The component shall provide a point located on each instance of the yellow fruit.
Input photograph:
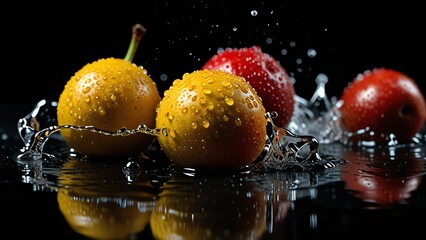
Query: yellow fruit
(108, 94)
(215, 120)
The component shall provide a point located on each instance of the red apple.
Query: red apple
(384, 101)
(265, 74)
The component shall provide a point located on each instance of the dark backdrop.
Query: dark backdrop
(44, 44)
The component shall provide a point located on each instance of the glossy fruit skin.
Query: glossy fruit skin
(386, 101)
(108, 94)
(215, 120)
(264, 74)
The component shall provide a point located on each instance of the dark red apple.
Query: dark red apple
(384, 101)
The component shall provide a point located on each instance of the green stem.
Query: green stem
(137, 33)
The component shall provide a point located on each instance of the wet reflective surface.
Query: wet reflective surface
(377, 191)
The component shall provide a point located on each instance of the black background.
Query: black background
(43, 45)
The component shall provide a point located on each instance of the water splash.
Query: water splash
(35, 137)
(285, 149)
(317, 116)
(282, 149)
(314, 121)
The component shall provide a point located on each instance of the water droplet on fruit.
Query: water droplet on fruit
(86, 90)
(226, 83)
(207, 91)
(229, 101)
(225, 118)
(101, 111)
(238, 122)
(170, 116)
(210, 106)
(206, 123)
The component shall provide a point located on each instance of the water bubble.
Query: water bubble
(4, 136)
(312, 53)
(163, 77)
(254, 13)
(269, 40)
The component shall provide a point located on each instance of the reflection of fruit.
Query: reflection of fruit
(213, 210)
(98, 218)
(111, 210)
(215, 119)
(264, 73)
(386, 101)
(381, 180)
(109, 94)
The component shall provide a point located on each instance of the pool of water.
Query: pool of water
(369, 191)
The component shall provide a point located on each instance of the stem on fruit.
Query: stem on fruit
(137, 33)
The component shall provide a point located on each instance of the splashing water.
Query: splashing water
(284, 148)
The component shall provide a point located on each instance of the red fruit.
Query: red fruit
(266, 75)
(387, 102)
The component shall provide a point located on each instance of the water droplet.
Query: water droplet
(184, 110)
(207, 91)
(229, 101)
(225, 118)
(226, 83)
(163, 77)
(172, 133)
(86, 90)
(132, 165)
(253, 13)
(210, 106)
(312, 53)
(194, 125)
(244, 89)
(170, 116)
(206, 124)
(101, 111)
(238, 122)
